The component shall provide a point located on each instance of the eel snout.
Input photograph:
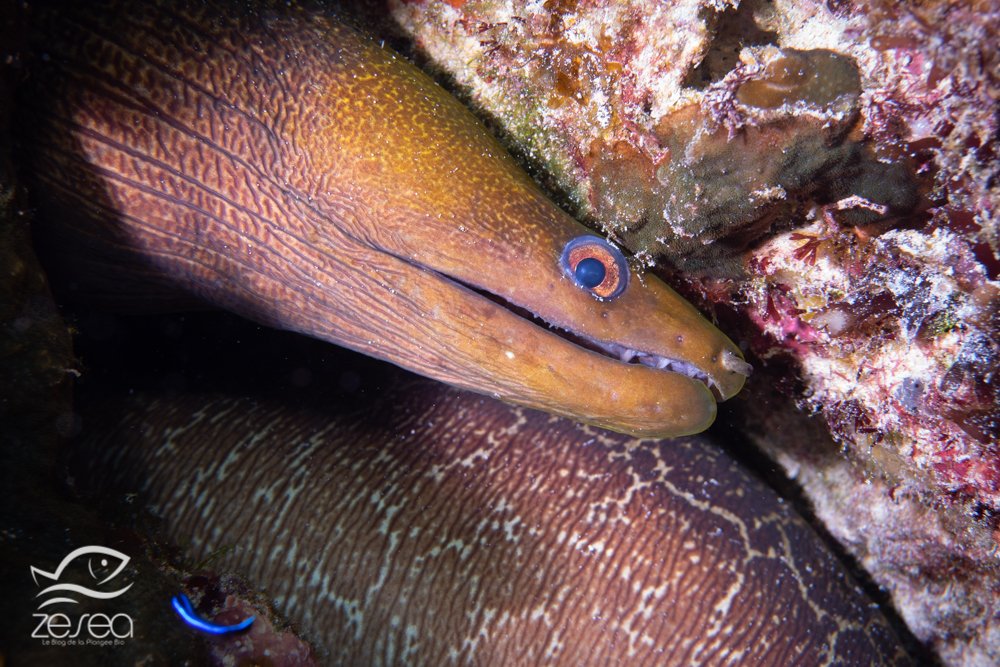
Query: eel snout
(280, 165)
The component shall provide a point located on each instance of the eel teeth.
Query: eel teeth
(675, 366)
(627, 354)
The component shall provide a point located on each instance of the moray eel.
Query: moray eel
(276, 163)
(436, 527)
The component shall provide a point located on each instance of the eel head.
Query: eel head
(289, 169)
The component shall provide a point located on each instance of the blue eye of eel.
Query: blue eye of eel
(595, 265)
(590, 272)
(187, 613)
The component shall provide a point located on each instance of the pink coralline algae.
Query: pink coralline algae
(268, 641)
(822, 177)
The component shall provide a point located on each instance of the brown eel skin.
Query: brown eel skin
(267, 159)
(435, 527)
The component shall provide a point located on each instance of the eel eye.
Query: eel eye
(596, 266)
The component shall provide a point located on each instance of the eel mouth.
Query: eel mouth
(627, 355)
(617, 351)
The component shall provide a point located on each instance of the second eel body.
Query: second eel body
(276, 163)
(437, 527)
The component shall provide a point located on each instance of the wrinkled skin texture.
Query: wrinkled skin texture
(277, 164)
(434, 526)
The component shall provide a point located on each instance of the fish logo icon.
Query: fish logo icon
(102, 564)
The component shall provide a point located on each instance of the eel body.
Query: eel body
(439, 527)
(274, 162)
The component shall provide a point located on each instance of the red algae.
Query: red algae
(227, 600)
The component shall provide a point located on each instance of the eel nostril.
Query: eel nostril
(732, 362)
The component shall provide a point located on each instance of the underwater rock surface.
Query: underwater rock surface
(822, 176)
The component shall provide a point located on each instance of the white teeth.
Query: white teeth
(654, 361)
(627, 354)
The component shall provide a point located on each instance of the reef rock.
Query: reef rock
(822, 177)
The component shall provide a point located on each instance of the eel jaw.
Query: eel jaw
(627, 355)
(729, 361)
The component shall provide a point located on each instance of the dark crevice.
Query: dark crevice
(734, 29)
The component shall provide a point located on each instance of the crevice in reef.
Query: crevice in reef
(734, 29)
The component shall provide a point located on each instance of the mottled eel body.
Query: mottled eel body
(439, 527)
(276, 163)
